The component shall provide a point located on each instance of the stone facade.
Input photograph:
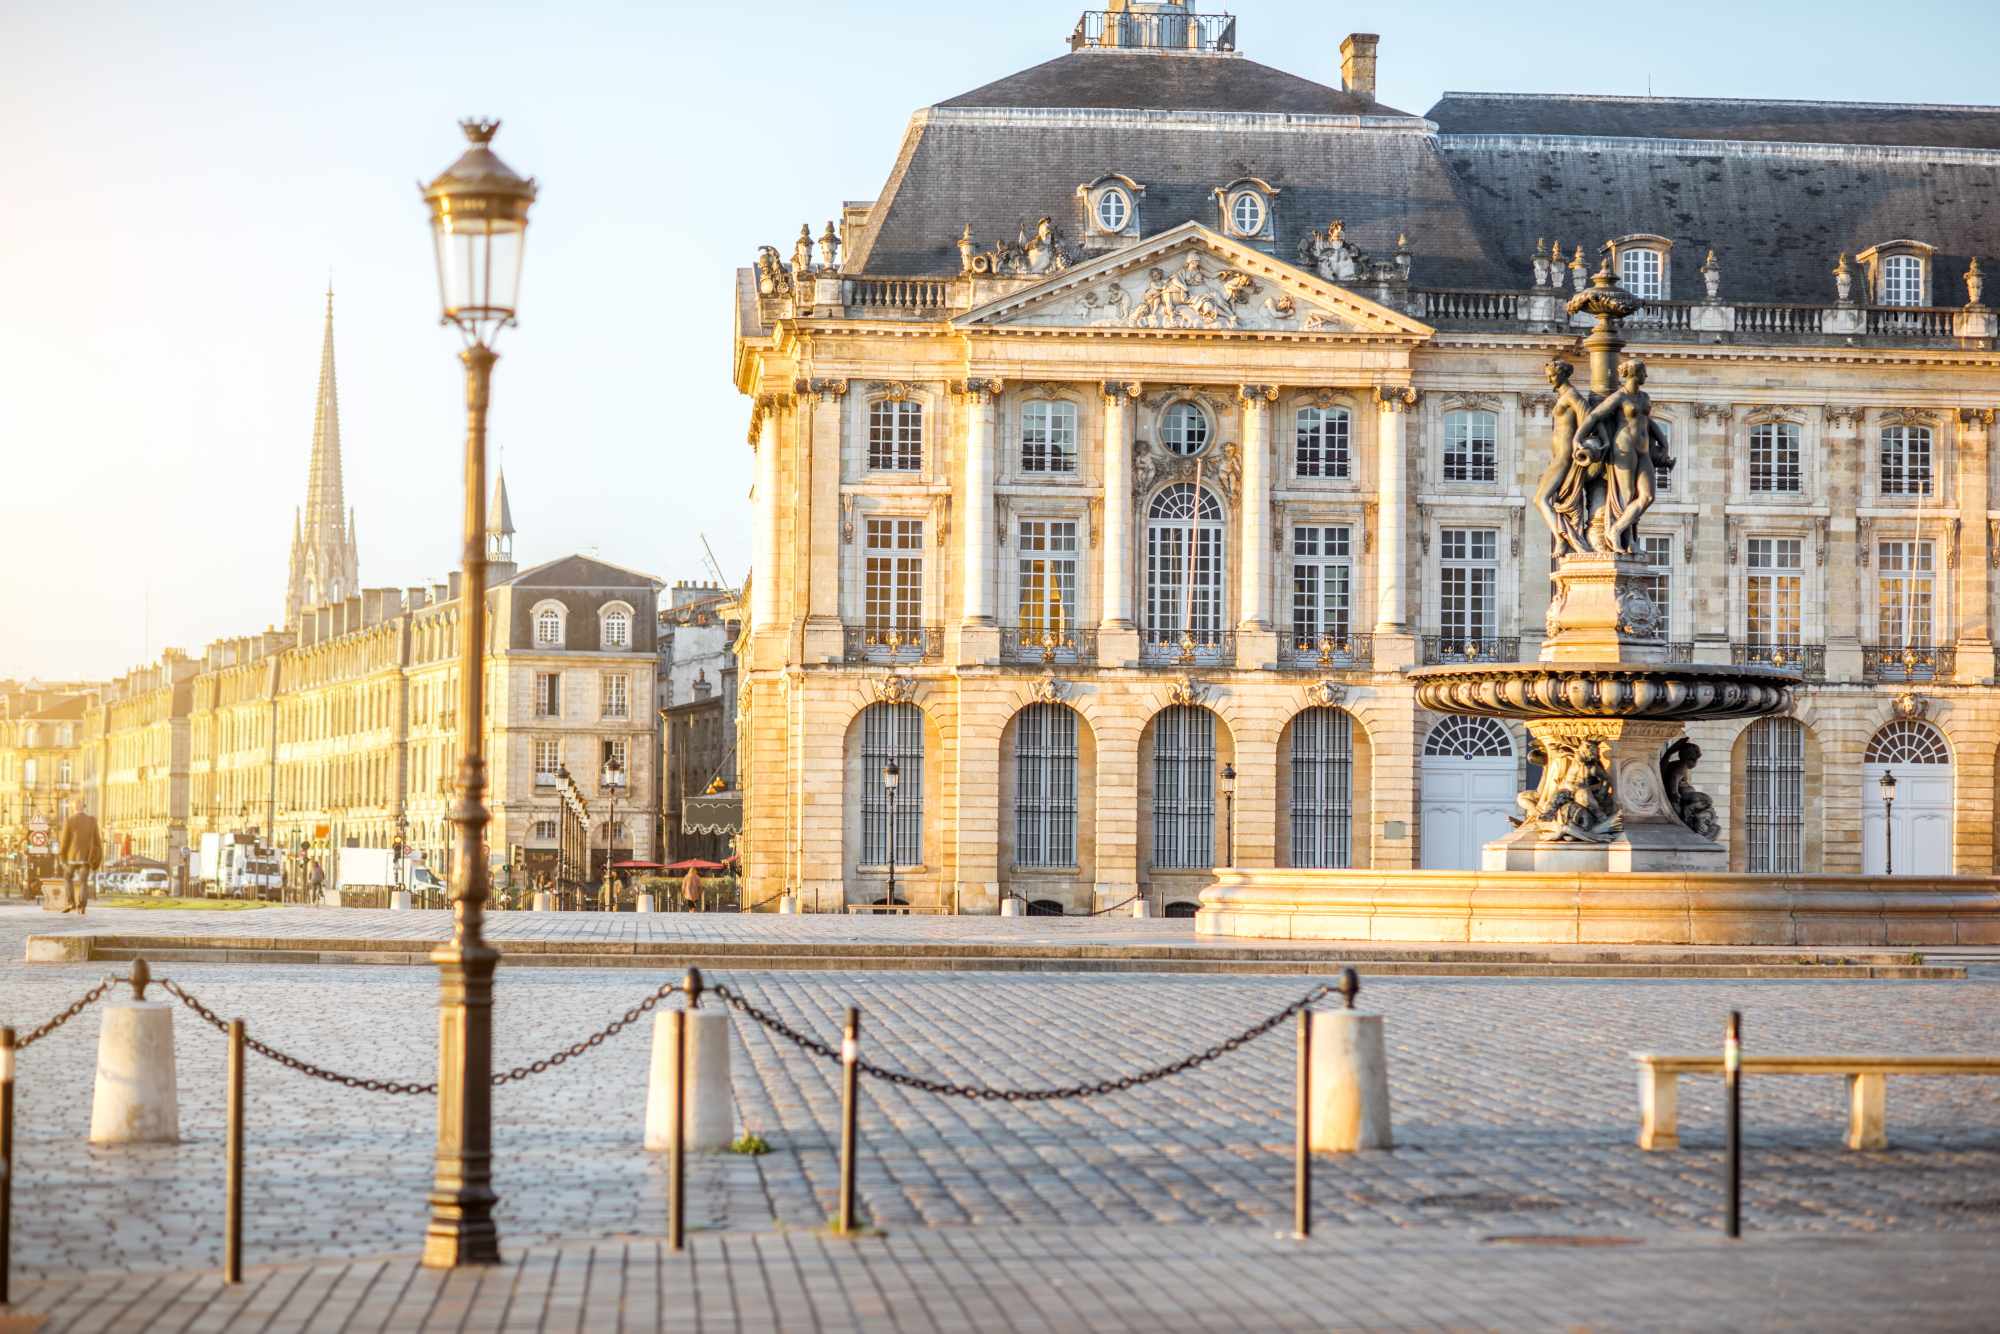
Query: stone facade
(945, 427)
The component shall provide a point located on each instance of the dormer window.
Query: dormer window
(1899, 272)
(1114, 209)
(1110, 208)
(1246, 209)
(1641, 264)
(548, 621)
(617, 627)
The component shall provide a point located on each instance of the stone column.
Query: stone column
(820, 511)
(1116, 736)
(1255, 643)
(1118, 640)
(979, 635)
(764, 610)
(1844, 557)
(1394, 644)
(1709, 488)
(1973, 550)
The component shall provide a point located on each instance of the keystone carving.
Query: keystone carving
(1326, 694)
(1187, 692)
(1049, 689)
(894, 689)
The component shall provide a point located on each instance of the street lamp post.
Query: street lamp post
(479, 219)
(614, 778)
(1229, 805)
(1888, 785)
(892, 778)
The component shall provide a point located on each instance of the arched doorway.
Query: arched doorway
(1920, 824)
(1468, 791)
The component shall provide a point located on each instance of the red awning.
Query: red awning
(637, 866)
(695, 862)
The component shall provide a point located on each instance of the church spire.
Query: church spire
(325, 564)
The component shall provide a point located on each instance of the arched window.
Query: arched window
(1908, 741)
(1171, 604)
(1918, 824)
(63, 736)
(1045, 786)
(1184, 429)
(1184, 788)
(1469, 738)
(1471, 451)
(1320, 443)
(1774, 812)
(1902, 282)
(1048, 437)
(1322, 788)
(892, 731)
(1639, 272)
(617, 629)
(548, 630)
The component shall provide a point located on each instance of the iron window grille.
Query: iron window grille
(1045, 757)
(892, 732)
(895, 435)
(1466, 738)
(1774, 816)
(1184, 788)
(1322, 788)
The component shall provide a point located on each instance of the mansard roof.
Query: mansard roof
(1719, 118)
(582, 571)
(1154, 80)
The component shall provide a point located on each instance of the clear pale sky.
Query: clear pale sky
(181, 179)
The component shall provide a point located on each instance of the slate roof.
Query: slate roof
(1718, 118)
(583, 572)
(1157, 81)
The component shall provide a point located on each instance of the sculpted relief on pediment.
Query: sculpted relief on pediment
(1196, 293)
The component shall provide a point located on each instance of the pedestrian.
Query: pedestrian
(80, 852)
(315, 882)
(691, 888)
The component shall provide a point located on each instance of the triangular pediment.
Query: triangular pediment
(1192, 280)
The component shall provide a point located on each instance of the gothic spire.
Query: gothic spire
(500, 521)
(325, 564)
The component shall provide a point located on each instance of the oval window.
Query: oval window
(1184, 430)
(1247, 212)
(1113, 208)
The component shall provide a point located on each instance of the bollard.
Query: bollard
(6, 1161)
(232, 1163)
(1350, 1078)
(850, 1052)
(643, 903)
(1010, 907)
(1732, 1152)
(399, 900)
(676, 1128)
(1302, 1179)
(1141, 908)
(136, 1100)
(708, 1111)
(788, 903)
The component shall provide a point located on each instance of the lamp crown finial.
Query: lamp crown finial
(479, 131)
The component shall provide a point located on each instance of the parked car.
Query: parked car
(109, 882)
(155, 882)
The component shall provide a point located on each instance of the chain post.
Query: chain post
(232, 1222)
(677, 1138)
(1302, 1168)
(6, 1162)
(1732, 1169)
(850, 1059)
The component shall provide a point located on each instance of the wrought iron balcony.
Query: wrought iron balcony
(1326, 653)
(1808, 660)
(1050, 646)
(1680, 651)
(1180, 32)
(915, 644)
(1187, 648)
(1441, 649)
(1890, 662)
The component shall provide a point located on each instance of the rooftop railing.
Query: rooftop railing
(900, 296)
(1912, 321)
(1176, 32)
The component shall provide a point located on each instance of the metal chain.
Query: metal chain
(293, 1062)
(579, 1048)
(72, 1012)
(818, 1048)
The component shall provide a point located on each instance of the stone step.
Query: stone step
(1387, 960)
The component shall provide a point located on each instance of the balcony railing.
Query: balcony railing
(1680, 651)
(899, 295)
(1180, 32)
(1187, 648)
(1441, 649)
(1326, 653)
(1889, 662)
(1662, 315)
(1778, 319)
(1912, 321)
(1050, 646)
(1808, 660)
(1456, 305)
(920, 644)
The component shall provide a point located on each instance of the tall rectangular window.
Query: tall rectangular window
(1906, 460)
(1774, 457)
(892, 731)
(1903, 594)
(548, 759)
(895, 435)
(1641, 274)
(548, 694)
(1048, 437)
(1320, 443)
(1048, 575)
(616, 702)
(1322, 584)
(1468, 587)
(1183, 788)
(895, 574)
(1774, 762)
(1658, 555)
(1322, 813)
(1045, 786)
(609, 750)
(1771, 615)
(1471, 451)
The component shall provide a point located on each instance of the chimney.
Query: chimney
(1357, 64)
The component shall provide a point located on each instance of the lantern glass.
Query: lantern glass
(1228, 778)
(891, 776)
(1888, 783)
(479, 222)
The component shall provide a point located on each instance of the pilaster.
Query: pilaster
(1709, 602)
(1118, 639)
(1974, 575)
(1843, 558)
(982, 713)
(1116, 736)
(1394, 644)
(821, 516)
(766, 598)
(1254, 564)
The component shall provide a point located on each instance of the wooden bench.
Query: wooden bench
(904, 908)
(1867, 1087)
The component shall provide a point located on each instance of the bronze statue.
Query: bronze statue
(1694, 808)
(1618, 474)
(1567, 524)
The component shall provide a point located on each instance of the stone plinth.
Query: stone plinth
(1600, 611)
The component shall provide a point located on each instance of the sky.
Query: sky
(183, 181)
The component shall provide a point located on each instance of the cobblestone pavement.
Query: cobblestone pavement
(1102, 1280)
(1514, 1101)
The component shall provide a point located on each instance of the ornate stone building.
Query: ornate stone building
(1163, 407)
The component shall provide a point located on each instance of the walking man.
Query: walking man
(81, 852)
(315, 882)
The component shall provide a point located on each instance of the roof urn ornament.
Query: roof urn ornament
(829, 248)
(967, 248)
(1711, 274)
(1975, 286)
(802, 251)
(1843, 280)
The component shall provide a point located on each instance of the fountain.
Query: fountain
(1616, 844)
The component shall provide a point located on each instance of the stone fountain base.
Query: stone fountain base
(1600, 908)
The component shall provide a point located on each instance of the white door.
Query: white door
(1919, 830)
(1469, 786)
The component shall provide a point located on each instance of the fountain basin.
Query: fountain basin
(1526, 691)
